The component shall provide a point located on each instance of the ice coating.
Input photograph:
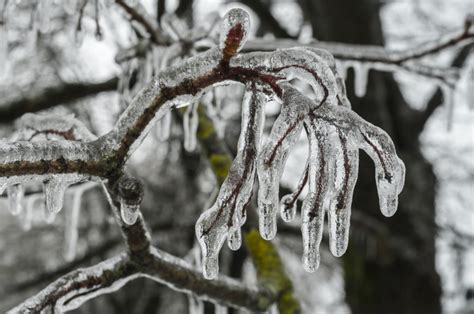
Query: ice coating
(234, 31)
(129, 212)
(190, 126)
(272, 159)
(227, 214)
(15, 198)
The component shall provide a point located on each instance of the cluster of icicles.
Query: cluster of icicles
(335, 134)
(38, 128)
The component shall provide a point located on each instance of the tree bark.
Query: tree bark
(388, 280)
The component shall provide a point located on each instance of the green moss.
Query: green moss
(206, 127)
(271, 273)
(220, 164)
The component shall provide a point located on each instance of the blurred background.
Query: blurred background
(71, 57)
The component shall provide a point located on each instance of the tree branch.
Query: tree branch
(138, 13)
(52, 96)
(73, 289)
(437, 99)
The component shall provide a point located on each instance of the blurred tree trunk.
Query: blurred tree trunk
(392, 280)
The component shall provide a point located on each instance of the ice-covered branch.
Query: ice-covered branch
(75, 288)
(380, 58)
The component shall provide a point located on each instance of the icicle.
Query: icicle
(234, 240)
(190, 126)
(71, 226)
(448, 99)
(220, 309)
(344, 172)
(227, 214)
(3, 49)
(15, 198)
(43, 15)
(54, 189)
(27, 214)
(272, 159)
(361, 73)
(314, 203)
(196, 306)
(164, 127)
(148, 67)
(470, 86)
(79, 36)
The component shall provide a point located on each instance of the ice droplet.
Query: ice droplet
(129, 212)
(234, 240)
(15, 198)
(287, 208)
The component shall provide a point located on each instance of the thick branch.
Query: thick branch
(53, 96)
